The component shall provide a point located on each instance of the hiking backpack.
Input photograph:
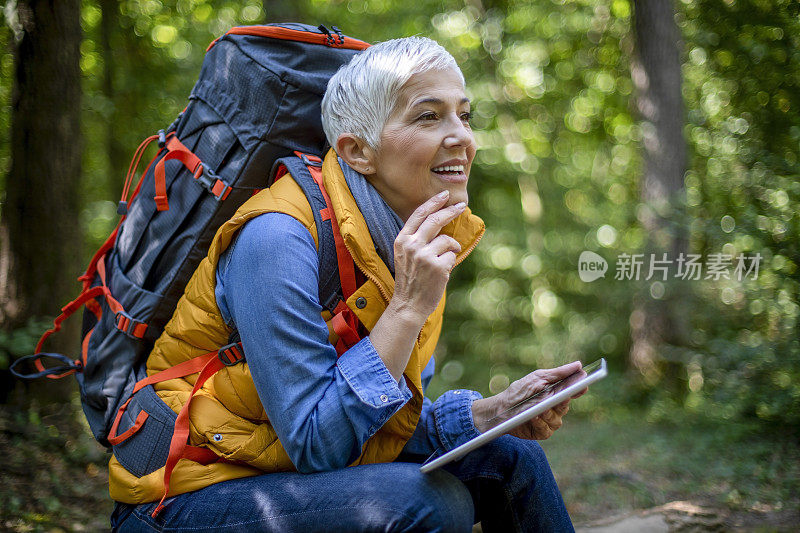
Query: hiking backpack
(253, 115)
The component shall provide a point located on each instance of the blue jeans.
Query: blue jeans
(506, 485)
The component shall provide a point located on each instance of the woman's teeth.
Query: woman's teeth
(449, 168)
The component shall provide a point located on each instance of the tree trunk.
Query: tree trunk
(656, 72)
(39, 226)
(116, 152)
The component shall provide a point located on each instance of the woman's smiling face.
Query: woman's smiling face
(426, 145)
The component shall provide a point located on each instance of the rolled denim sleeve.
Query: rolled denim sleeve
(323, 408)
(444, 424)
(375, 394)
(452, 412)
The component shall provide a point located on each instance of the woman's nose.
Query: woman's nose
(458, 133)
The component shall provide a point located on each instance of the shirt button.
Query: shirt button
(217, 437)
(384, 398)
(361, 302)
(456, 392)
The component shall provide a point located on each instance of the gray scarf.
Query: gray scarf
(384, 225)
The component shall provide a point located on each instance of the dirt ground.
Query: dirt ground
(685, 516)
(53, 478)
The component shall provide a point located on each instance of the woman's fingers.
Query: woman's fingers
(435, 222)
(552, 419)
(419, 215)
(448, 261)
(423, 259)
(538, 380)
(562, 408)
(542, 430)
(444, 243)
(551, 375)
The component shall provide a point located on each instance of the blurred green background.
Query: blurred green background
(560, 169)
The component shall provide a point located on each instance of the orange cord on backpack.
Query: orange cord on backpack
(122, 208)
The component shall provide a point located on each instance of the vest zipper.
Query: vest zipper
(369, 276)
(469, 250)
(378, 284)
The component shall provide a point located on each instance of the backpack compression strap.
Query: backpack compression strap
(124, 322)
(202, 173)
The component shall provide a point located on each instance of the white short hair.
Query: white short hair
(363, 93)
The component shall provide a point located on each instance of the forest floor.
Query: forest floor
(618, 475)
(624, 474)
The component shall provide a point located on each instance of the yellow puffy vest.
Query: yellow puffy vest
(228, 404)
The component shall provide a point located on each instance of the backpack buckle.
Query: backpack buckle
(221, 190)
(209, 180)
(130, 326)
(231, 354)
(205, 176)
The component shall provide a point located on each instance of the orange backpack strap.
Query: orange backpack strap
(209, 363)
(202, 173)
(89, 294)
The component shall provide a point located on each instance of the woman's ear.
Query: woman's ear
(356, 153)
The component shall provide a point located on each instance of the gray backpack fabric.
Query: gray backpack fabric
(255, 106)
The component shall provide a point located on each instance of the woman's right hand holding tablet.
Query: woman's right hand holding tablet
(489, 412)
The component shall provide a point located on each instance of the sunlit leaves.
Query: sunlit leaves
(743, 191)
(557, 170)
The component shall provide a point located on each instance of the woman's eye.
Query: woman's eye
(428, 116)
(466, 117)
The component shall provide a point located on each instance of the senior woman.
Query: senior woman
(316, 442)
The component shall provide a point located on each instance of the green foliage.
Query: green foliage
(742, 96)
(6, 86)
(557, 172)
(22, 341)
(557, 162)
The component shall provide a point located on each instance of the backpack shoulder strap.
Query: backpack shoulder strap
(330, 290)
(337, 270)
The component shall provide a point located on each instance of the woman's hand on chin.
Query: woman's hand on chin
(423, 258)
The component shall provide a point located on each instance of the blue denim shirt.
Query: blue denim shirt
(322, 407)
